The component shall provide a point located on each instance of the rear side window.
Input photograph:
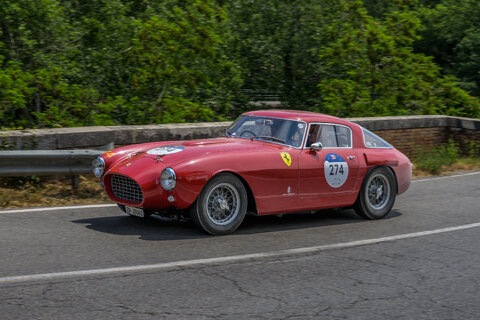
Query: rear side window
(371, 140)
(330, 135)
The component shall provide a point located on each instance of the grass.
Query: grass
(462, 164)
(49, 191)
(447, 157)
(58, 191)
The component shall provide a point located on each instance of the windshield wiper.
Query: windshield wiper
(269, 138)
(228, 133)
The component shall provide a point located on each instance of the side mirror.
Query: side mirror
(316, 146)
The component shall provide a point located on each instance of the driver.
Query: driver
(312, 134)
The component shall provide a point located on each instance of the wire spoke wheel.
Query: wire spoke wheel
(378, 191)
(377, 195)
(223, 204)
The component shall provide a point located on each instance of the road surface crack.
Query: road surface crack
(237, 286)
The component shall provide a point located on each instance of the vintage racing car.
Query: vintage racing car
(269, 162)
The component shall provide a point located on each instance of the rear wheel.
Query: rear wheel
(377, 195)
(221, 206)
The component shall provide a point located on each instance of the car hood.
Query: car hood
(171, 153)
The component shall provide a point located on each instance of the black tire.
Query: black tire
(221, 206)
(377, 194)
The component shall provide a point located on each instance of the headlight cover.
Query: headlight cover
(168, 179)
(98, 166)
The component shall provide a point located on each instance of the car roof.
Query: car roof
(298, 115)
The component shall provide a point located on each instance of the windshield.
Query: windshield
(282, 131)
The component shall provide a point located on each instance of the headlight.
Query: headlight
(98, 166)
(168, 179)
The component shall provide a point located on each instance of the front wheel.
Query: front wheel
(221, 206)
(377, 195)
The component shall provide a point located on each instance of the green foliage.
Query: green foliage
(371, 69)
(473, 149)
(181, 65)
(15, 89)
(277, 42)
(435, 159)
(80, 63)
(452, 35)
(109, 62)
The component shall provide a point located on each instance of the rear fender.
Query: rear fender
(378, 159)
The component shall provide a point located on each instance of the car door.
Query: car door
(327, 178)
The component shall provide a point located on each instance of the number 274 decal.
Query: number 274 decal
(336, 170)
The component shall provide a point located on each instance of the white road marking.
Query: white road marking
(237, 258)
(114, 205)
(91, 206)
(446, 177)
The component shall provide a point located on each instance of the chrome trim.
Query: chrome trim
(316, 146)
(331, 124)
(269, 141)
(172, 175)
(100, 165)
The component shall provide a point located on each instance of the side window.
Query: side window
(327, 136)
(371, 140)
(330, 135)
(344, 137)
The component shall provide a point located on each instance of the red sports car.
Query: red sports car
(269, 162)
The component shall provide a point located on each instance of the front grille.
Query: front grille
(126, 189)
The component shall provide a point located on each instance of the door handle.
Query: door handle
(351, 157)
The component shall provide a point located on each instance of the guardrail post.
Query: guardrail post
(75, 182)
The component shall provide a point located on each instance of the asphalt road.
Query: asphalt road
(327, 274)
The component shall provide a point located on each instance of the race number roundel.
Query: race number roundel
(336, 170)
(161, 151)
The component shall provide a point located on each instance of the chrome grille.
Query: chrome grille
(126, 189)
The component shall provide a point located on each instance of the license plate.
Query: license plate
(135, 211)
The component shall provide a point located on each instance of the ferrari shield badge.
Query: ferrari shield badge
(109, 154)
(286, 158)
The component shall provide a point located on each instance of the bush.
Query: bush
(435, 159)
(473, 149)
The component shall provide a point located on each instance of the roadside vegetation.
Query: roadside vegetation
(34, 191)
(446, 158)
(112, 62)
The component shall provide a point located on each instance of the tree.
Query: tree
(182, 70)
(39, 72)
(277, 42)
(451, 35)
(371, 69)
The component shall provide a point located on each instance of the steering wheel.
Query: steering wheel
(247, 134)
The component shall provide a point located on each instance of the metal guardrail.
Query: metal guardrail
(46, 162)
